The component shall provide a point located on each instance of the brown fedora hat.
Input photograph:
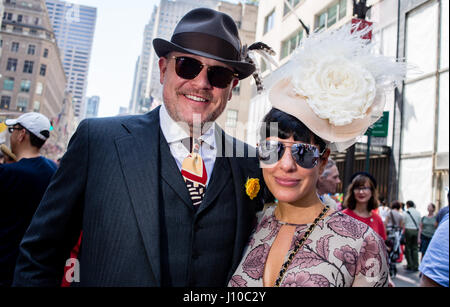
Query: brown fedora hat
(207, 33)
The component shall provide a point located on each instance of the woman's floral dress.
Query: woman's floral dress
(340, 252)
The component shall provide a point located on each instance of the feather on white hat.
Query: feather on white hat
(335, 84)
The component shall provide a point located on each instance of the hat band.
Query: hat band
(208, 44)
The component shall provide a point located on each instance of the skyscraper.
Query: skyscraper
(74, 27)
(140, 103)
(92, 106)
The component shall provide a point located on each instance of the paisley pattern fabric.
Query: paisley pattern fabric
(340, 252)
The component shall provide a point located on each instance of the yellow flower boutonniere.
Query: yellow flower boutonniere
(252, 187)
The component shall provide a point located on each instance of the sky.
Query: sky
(116, 47)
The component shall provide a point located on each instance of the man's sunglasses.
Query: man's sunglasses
(305, 155)
(11, 129)
(189, 68)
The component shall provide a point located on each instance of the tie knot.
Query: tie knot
(192, 144)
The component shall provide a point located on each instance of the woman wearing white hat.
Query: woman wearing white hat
(328, 95)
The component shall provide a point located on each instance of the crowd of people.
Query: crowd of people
(169, 199)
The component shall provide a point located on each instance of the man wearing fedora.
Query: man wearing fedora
(160, 197)
(23, 184)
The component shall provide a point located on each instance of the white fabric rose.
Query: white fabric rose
(336, 88)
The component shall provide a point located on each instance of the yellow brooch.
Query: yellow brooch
(252, 187)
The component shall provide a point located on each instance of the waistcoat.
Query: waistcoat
(196, 244)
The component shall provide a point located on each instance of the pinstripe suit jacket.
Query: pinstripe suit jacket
(107, 185)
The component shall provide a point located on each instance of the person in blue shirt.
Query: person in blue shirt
(22, 186)
(435, 263)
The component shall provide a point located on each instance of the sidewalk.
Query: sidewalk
(406, 278)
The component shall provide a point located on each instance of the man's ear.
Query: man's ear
(22, 135)
(324, 160)
(163, 63)
(233, 85)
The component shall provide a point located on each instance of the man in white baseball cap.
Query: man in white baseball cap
(23, 185)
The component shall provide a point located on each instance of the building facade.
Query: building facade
(1, 20)
(411, 161)
(32, 75)
(421, 137)
(74, 27)
(234, 118)
(140, 102)
(92, 106)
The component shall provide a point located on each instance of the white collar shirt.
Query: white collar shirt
(174, 134)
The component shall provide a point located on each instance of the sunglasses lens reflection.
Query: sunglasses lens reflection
(189, 68)
(270, 152)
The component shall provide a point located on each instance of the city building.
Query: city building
(410, 161)
(92, 106)
(1, 20)
(32, 74)
(421, 135)
(74, 27)
(234, 118)
(139, 102)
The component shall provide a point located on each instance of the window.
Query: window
(289, 45)
(36, 106)
(15, 47)
(19, 18)
(22, 104)
(343, 9)
(31, 49)
(39, 88)
(28, 67)
(293, 3)
(8, 84)
(12, 65)
(331, 15)
(25, 86)
(43, 70)
(237, 89)
(45, 53)
(5, 102)
(269, 22)
(232, 117)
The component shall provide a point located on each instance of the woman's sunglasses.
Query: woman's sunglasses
(305, 155)
(189, 68)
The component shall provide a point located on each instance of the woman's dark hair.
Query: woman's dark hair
(360, 181)
(288, 126)
(434, 206)
(396, 205)
(410, 204)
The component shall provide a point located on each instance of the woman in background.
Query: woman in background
(360, 201)
(427, 227)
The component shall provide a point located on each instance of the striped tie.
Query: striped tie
(194, 173)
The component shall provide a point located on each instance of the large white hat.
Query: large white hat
(335, 84)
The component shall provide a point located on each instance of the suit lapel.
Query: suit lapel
(171, 174)
(139, 158)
